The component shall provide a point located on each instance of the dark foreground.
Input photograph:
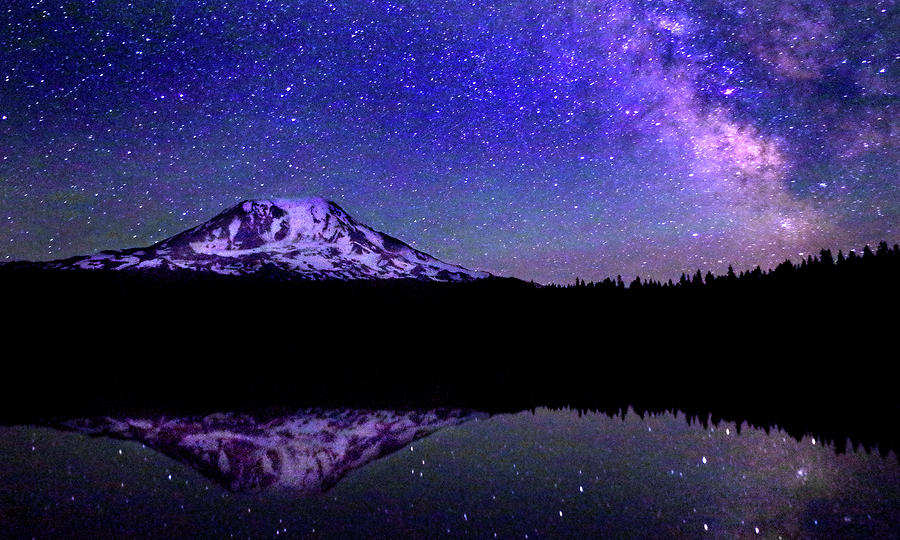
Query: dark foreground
(812, 357)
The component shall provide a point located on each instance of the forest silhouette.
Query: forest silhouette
(808, 346)
(810, 273)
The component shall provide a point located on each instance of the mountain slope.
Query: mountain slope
(308, 451)
(309, 238)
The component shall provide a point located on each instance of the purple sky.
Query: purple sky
(544, 140)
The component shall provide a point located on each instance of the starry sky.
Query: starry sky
(540, 139)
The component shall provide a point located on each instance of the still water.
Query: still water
(547, 474)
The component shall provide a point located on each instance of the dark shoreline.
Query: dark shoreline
(811, 360)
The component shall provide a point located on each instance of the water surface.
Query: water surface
(548, 474)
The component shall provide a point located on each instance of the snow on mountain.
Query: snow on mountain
(308, 451)
(310, 238)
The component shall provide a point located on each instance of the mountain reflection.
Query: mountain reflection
(544, 474)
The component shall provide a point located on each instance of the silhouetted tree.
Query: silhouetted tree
(698, 279)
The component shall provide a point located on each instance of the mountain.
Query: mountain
(307, 452)
(309, 238)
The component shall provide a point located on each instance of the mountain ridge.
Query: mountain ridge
(307, 238)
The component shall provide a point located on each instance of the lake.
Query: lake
(541, 474)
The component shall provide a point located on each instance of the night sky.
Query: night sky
(540, 139)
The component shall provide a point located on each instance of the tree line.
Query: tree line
(811, 271)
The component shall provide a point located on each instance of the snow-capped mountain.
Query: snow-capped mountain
(308, 451)
(309, 238)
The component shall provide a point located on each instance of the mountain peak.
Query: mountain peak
(300, 202)
(318, 205)
(307, 238)
(253, 224)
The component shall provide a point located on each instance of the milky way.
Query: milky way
(545, 140)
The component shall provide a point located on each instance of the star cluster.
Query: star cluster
(538, 139)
